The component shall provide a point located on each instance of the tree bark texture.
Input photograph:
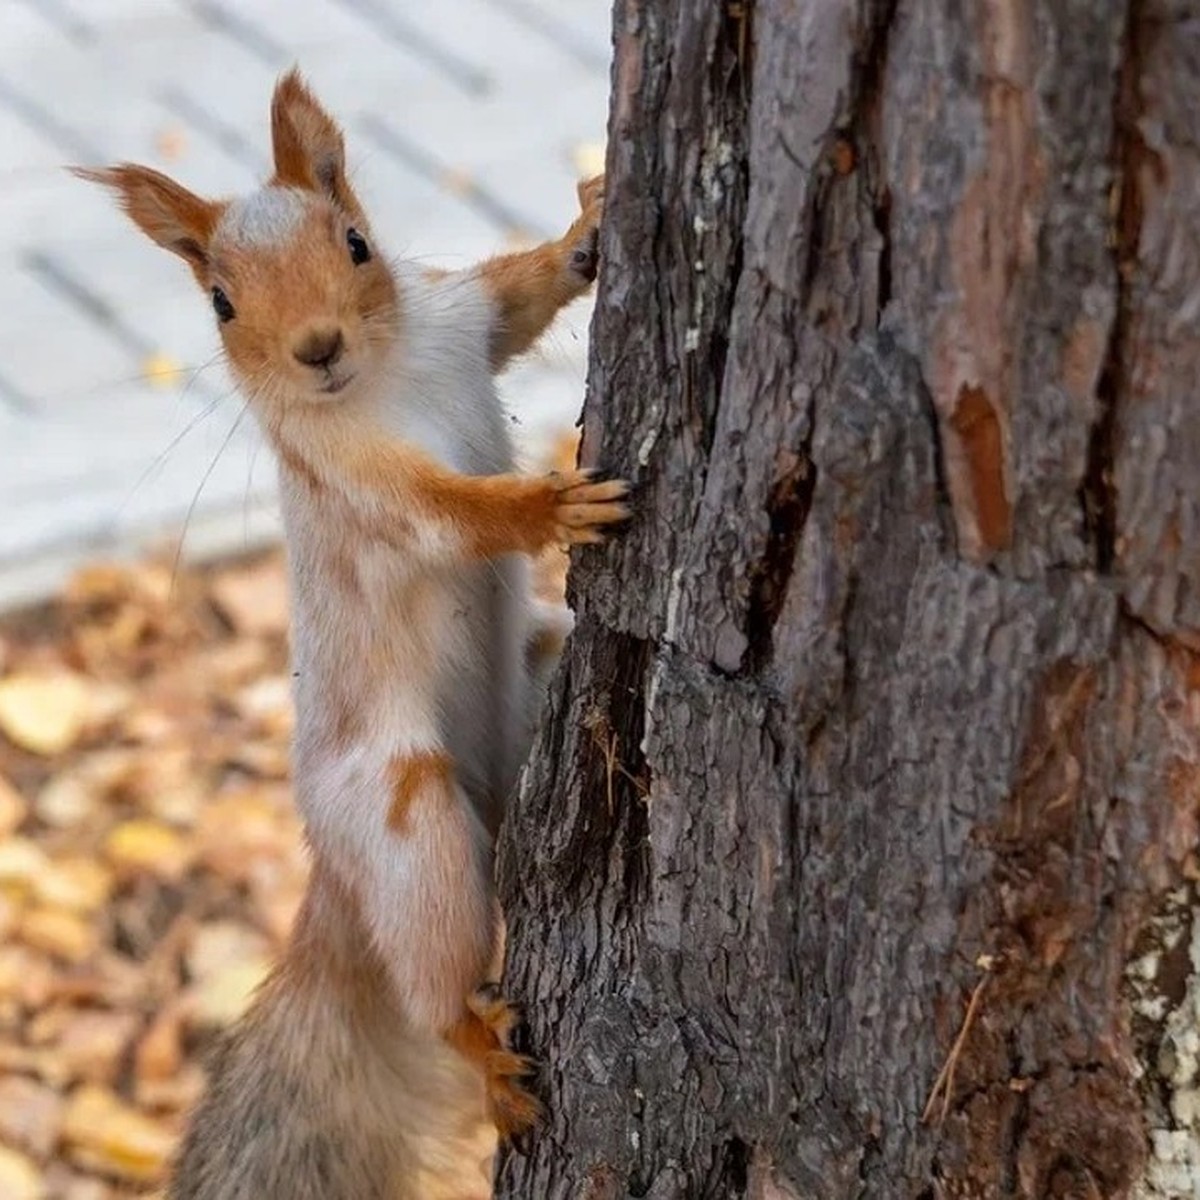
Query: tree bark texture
(856, 855)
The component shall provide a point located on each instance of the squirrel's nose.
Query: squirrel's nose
(319, 347)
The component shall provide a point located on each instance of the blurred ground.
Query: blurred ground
(150, 859)
(468, 122)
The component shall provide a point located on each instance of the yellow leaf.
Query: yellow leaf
(74, 883)
(268, 703)
(20, 861)
(161, 370)
(148, 847)
(225, 995)
(43, 714)
(217, 944)
(67, 800)
(588, 158)
(105, 1134)
(19, 1177)
(60, 933)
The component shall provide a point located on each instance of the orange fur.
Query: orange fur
(490, 515)
(482, 1037)
(529, 287)
(307, 144)
(296, 463)
(285, 281)
(430, 774)
(178, 220)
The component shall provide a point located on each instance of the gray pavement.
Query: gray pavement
(468, 122)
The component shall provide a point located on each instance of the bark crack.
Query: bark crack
(872, 64)
(1098, 492)
(787, 511)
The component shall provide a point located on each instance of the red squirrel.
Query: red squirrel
(368, 1061)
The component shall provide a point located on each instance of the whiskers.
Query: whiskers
(203, 414)
(264, 385)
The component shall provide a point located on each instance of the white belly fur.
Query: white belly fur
(440, 397)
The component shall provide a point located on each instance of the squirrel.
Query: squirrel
(376, 1050)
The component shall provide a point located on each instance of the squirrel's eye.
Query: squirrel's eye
(221, 306)
(360, 252)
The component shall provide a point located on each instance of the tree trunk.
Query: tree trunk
(856, 855)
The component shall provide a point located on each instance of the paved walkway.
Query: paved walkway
(468, 122)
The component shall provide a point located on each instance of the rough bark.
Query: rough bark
(873, 762)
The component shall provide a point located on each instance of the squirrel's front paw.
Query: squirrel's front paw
(584, 238)
(583, 506)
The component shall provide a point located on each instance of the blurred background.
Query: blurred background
(150, 858)
(467, 121)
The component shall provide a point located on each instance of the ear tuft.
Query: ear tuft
(166, 212)
(307, 143)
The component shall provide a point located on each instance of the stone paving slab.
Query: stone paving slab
(465, 121)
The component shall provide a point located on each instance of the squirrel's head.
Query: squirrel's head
(305, 304)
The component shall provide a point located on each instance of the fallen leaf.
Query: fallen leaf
(55, 931)
(217, 945)
(161, 370)
(13, 808)
(231, 664)
(98, 583)
(159, 1053)
(225, 994)
(276, 901)
(588, 159)
(19, 1177)
(25, 976)
(92, 1045)
(148, 847)
(268, 703)
(178, 1093)
(30, 1115)
(10, 911)
(107, 702)
(68, 799)
(43, 714)
(166, 783)
(64, 1184)
(75, 883)
(266, 759)
(253, 599)
(21, 859)
(240, 831)
(103, 1133)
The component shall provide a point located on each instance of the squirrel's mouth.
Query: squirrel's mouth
(336, 385)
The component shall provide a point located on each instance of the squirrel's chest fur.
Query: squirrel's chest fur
(388, 658)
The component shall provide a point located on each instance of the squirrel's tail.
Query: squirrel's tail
(323, 1093)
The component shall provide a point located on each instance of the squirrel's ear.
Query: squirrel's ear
(178, 220)
(307, 144)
